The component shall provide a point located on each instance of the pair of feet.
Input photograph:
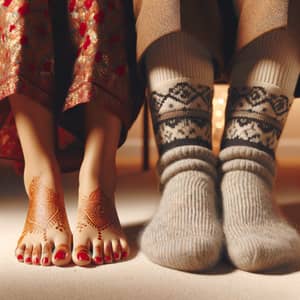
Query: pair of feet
(47, 238)
(189, 231)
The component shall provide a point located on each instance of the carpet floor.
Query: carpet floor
(137, 278)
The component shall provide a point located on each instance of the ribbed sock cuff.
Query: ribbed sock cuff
(243, 158)
(270, 62)
(186, 158)
(178, 57)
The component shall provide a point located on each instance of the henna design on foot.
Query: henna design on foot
(46, 226)
(98, 227)
(98, 211)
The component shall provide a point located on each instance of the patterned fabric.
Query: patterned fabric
(255, 118)
(102, 58)
(73, 49)
(182, 116)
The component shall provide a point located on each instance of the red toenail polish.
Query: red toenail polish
(37, 261)
(28, 260)
(107, 258)
(60, 255)
(20, 257)
(98, 260)
(83, 256)
(45, 260)
(124, 254)
(116, 255)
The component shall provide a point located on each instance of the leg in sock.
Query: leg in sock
(185, 232)
(98, 237)
(262, 87)
(46, 236)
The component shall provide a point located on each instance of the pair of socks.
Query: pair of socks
(189, 229)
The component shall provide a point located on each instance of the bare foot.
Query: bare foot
(98, 237)
(46, 236)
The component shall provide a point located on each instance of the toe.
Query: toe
(81, 256)
(28, 254)
(46, 254)
(116, 250)
(61, 255)
(20, 253)
(98, 253)
(36, 254)
(125, 251)
(107, 252)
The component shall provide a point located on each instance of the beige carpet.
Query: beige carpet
(137, 278)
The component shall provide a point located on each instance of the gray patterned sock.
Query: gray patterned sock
(185, 232)
(257, 237)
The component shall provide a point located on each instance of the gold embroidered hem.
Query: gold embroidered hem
(90, 90)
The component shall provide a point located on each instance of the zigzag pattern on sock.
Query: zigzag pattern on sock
(255, 118)
(181, 116)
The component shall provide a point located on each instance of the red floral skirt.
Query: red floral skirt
(63, 54)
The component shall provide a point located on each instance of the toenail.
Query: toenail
(45, 260)
(20, 257)
(124, 254)
(60, 255)
(98, 260)
(116, 256)
(107, 258)
(28, 260)
(83, 256)
(37, 261)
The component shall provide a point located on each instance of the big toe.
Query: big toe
(61, 255)
(81, 255)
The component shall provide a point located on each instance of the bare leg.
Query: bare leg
(98, 228)
(46, 236)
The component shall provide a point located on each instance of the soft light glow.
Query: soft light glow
(219, 125)
(219, 113)
(221, 101)
(218, 119)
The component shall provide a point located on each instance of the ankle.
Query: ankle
(92, 177)
(47, 170)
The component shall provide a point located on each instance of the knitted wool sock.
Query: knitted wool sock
(185, 233)
(263, 81)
